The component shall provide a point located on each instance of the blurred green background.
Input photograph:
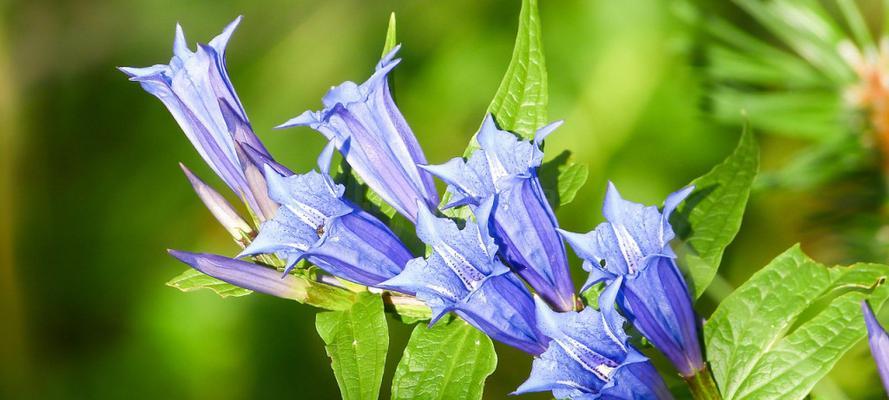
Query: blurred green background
(91, 196)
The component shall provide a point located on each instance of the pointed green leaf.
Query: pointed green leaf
(520, 103)
(451, 360)
(391, 41)
(711, 216)
(783, 330)
(356, 341)
(191, 279)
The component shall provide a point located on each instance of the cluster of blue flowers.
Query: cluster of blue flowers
(484, 271)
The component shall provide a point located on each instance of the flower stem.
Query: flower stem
(702, 385)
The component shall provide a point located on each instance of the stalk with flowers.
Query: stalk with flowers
(495, 264)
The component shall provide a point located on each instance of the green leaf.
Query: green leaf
(562, 179)
(711, 216)
(786, 327)
(191, 279)
(520, 103)
(451, 360)
(356, 341)
(390, 42)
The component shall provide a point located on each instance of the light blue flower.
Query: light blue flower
(196, 89)
(314, 222)
(463, 274)
(632, 252)
(505, 169)
(364, 123)
(589, 357)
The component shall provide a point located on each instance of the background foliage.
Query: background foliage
(90, 193)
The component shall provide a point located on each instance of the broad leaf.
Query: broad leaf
(520, 102)
(778, 334)
(711, 216)
(450, 360)
(192, 279)
(356, 341)
(519, 105)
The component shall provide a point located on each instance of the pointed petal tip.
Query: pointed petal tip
(183, 256)
(546, 130)
(869, 318)
(325, 158)
(307, 118)
(187, 171)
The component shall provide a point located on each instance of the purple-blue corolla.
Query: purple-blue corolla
(196, 89)
(463, 274)
(504, 169)
(589, 357)
(368, 129)
(632, 251)
(315, 223)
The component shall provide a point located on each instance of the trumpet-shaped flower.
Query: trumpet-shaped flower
(196, 89)
(314, 222)
(589, 357)
(505, 168)
(464, 275)
(632, 251)
(368, 129)
(879, 343)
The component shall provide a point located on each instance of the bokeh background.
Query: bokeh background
(91, 194)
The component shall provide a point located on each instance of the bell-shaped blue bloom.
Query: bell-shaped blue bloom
(315, 223)
(589, 357)
(196, 89)
(368, 129)
(879, 343)
(463, 274)
(632, 251)
(505, 168)
(242, 274)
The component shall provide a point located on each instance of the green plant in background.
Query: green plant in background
(817, 74)
(776, 336)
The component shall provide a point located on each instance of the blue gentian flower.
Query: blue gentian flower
(196, 89)
(315, 223)
(879, 343)
(242, 274)
(589, 357)
(632, 251)
(368, 129)
(505, 168)
(463, 274)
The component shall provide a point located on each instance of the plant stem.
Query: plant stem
(702, 385)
